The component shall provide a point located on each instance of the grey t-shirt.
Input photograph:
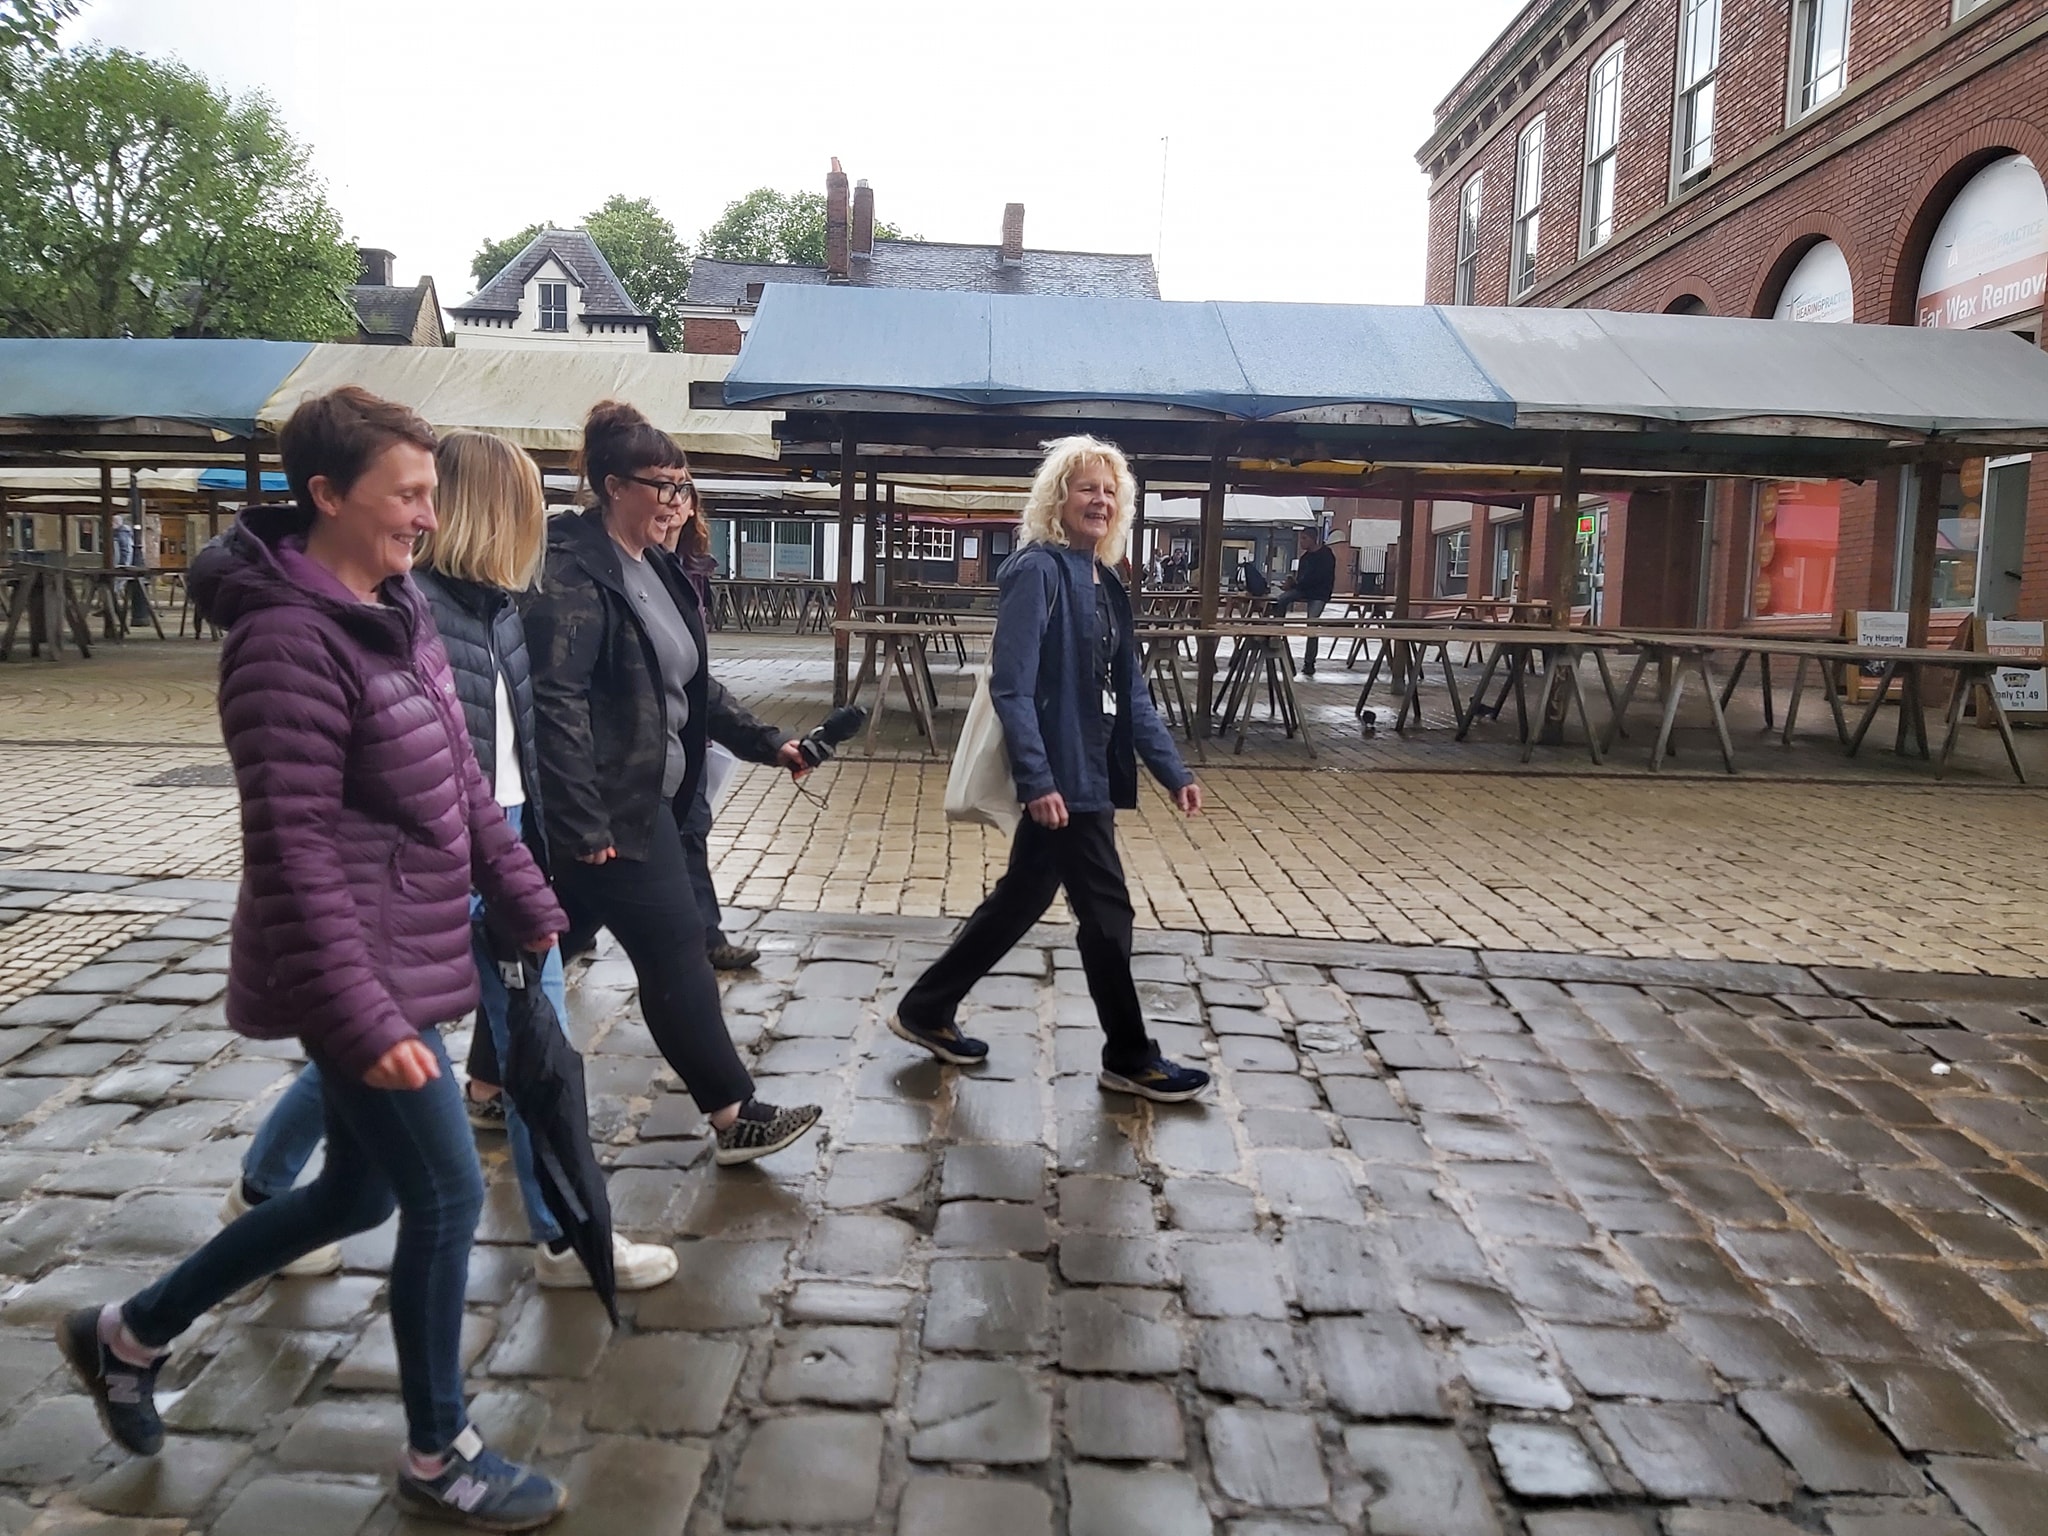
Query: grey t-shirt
(675, 650)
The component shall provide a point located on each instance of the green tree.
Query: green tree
(135, 199)
(31, 25)
(649, 257)
(771, 226)
(641, 245)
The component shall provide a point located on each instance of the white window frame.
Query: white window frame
(1699, 71)
(1961, 8)
(1471, 204)
(1526, 247)
(547, 309)
(1600, 191)
(1454, 553)
(1809, 87)
(925, 541)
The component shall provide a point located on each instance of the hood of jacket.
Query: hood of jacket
(262, 562)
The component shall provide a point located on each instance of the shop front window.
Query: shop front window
(1797, 535)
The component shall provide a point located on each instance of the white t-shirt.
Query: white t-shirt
(509, 782)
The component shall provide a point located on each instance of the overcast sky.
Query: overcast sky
(1293, 124)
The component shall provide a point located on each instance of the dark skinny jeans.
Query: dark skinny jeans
(651, 909)
(1082, 857)
(385, 1148)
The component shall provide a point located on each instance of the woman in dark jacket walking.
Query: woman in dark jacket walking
(365, 821)
(489, 534)
(625, 706)
(1076, 716)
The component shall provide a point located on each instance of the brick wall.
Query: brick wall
(721, 337)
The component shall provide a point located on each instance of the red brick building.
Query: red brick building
(1870, 161)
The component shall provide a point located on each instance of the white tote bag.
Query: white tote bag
(980, 787)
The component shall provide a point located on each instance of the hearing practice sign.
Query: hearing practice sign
(1989, 257)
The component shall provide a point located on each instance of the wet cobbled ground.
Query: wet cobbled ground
(1467, 1243)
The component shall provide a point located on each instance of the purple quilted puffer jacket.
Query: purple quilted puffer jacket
(365, 820)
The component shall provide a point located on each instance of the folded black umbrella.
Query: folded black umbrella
(544, 1076)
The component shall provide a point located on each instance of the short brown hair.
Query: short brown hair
(339, 434)
(618, 440)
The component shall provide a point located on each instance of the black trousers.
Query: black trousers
(651, 909)
(1080, 857)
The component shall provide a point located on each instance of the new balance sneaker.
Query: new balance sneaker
(728, 956)
(636, 1266)
(124, 1394)
(1160, 1080)
(321, 1261)
(485, 1114)
(481, 1489)
(762, 1130)
(943, 1040)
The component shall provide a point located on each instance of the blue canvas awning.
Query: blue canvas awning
(207, 386)
(879, 351)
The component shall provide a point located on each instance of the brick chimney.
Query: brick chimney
(837, 261)
(1013, 231)
(863, 219)
(374, 266)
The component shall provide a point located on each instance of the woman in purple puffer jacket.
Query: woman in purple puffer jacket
(365, 822)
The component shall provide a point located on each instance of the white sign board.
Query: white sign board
(1880, 631)
(2020, 690)
(1819, 288)
(1989, 256)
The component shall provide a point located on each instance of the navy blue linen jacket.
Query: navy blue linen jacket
(1042, 683)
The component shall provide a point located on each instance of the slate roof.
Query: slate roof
(956, 268)
(604, 296)
(390, 314)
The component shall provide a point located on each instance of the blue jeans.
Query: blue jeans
(285, 1142)
(385, 1148)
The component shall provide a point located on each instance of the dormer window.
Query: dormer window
(554, 306)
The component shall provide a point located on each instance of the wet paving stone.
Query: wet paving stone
(302, 1506)
(845, 1367)
(1832, 1443)
(1511, 1376)
(990, 1228)
(1378, 1367)
(1095, 1258)
(2000, 1499)
(1633, 1362)
(1425, 1482)
(50, 1442)
(178, 1481)
(985, 1172)
(1545, 1461)
(1118, 1332)
(256, 1376)
(1267, 1458)
(1102, 1501)
(944, 1506)
(719, 1285)
(1246, 1358)
(347, 1435)
(1929, 1408)
(625, 1483)
(987, 1412)
(1693, 1451)
(1231, 1277)
(986, 1306)
(808, 1470)
(666, 1384)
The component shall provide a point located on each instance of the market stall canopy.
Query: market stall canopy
(188, 394)
(1415, 385)
(1272, 511)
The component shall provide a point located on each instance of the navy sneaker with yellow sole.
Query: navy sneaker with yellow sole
(1160, 1080)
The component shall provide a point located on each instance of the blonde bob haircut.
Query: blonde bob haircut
(491, 511)
(1066, 457)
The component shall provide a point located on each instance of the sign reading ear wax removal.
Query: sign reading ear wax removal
(1989, 258)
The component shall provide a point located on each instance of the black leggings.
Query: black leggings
(651, 909)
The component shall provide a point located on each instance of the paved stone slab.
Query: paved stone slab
(1250, 1359)
(979, 1411)
(258, 1375)
(1424, 1480)
(628, 1484)
(666, 1384)
(809, 1470)
(1633, 1362)
(1106, 1502)
(50, 1442)
(986, 1306)
(2000, 1498)
(848, 1367)
(299, 1505)
(178, 1481)
(719, 1285)
(990, 1228)
(858, 1247)
(347, 1435)
(1692, 1451)
(1231, 1277)
(1511, 1375)
(1267, 1458)
(1545, 1461)
(1108, 1420)
(1118, 1332)
(986, 1172)
(1378, 1367)
(1930, 1408)
(557, 1334)
(947, 1506)
(372, 1365)
(1831, 1443)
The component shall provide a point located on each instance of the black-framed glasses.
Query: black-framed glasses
(669, 493)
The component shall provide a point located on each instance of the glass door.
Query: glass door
(2004, 538)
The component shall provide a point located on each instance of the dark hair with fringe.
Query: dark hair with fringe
(337, 435)
(618, 440)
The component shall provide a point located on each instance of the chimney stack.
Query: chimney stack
(1013, 232)
(373, 266)
(863, 219)
(837, 259)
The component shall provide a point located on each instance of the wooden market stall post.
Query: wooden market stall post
(842, 606)
(1208, 599)
(1138, 548)
(1564, 580)
(1404, 581)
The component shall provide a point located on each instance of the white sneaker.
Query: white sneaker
(321, 1261)
(638, 1266)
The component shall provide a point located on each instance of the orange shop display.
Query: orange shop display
(1798, 533)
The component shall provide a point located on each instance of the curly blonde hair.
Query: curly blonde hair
(1066, 457)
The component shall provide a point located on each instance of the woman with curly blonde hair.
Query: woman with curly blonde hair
(1076, 717)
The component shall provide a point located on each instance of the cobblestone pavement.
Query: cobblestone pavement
(114, 767)
(1468, 1244)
